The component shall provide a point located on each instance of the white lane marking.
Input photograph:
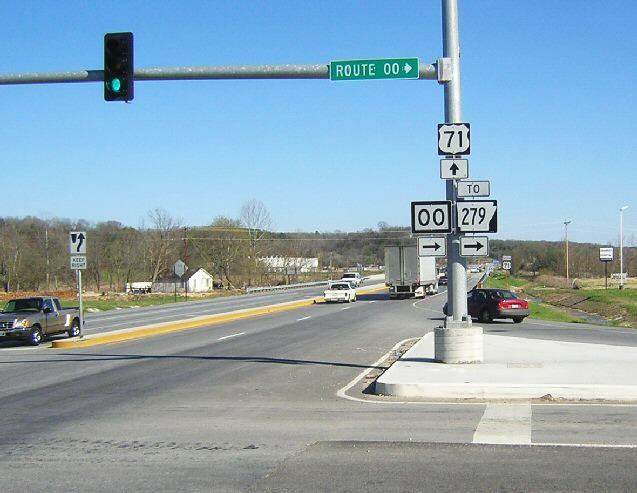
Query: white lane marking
(301, 319)
(585, 445)
(372, 301)
(504, 423)
(346, 308)
(232, 335)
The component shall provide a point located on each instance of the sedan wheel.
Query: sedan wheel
(485, 316)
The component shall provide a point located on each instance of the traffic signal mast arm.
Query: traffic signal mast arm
(318, 71)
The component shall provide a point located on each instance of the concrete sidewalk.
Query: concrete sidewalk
(517, 368)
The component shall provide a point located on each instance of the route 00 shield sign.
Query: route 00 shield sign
(431, 217)
(477, 216)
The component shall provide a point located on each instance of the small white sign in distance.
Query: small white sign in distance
(432, 246)
(431, 216)
(454, 139)
(78, 262)
(506, 257)
(454, 169)
(77, 242)
(477, 216)
(474, 189)
(606, 254)
(506, 265)
(474, 246)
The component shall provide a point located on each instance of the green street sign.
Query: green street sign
(386, 68)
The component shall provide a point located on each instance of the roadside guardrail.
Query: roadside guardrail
(286, 286)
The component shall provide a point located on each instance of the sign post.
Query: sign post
(606, 255)
(77, 249)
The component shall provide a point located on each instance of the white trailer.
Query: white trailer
(407, 274)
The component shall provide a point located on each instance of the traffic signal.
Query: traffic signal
(118, 67)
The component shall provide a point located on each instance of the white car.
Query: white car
(340, 291)
(354, 278)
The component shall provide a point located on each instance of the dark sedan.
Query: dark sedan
(489, 304)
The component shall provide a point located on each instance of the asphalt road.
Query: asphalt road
(252, 405)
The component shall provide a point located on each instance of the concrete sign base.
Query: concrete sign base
(458, 345)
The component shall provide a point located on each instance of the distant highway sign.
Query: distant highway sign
(474, 189)
(385, 68)
(506, 265)
(454, 169)
(454, 139)
(477, 216)
(431, 217)
(474, 246)
(434, 246)
(606, 254)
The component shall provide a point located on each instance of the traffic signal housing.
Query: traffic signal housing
(118, 67)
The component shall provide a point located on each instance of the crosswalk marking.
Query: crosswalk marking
(504, 423)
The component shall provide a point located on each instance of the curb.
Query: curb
(193, 323)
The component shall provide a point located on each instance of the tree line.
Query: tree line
(34, 251)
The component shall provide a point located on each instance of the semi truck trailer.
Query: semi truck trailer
(407, 274)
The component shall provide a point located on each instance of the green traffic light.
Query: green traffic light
(116, 85)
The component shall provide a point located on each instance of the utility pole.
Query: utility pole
(457, 341)
(456, 265)
(566, 223)
(621, 246)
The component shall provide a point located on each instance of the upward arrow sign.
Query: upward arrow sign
(454, 169)
(80, 238)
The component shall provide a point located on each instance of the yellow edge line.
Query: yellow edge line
(189, 324)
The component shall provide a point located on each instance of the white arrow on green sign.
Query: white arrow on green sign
(386, 68)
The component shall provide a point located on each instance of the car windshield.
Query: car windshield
(25, 305)
(340, 287)
(348, 276)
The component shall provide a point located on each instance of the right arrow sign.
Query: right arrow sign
(474, 246)
(435, 246)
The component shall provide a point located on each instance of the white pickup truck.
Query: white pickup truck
(340, 291)
(354, 278)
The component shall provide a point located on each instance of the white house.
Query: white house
(281, 264)
(199, 281)
(196, 280)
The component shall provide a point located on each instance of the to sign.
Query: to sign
(77, 242)
(454, 139)
(454, 169)
(506, 265)
(435, 246)
(387, 68)
(474, 246)
(431, 217)
(78, 262)
(606, 254)
(506, 257)
(474, 189)
(477, 216)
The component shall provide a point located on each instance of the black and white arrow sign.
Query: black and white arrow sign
(474, 246)
(454, 169)
(77, 242)
(432, 247)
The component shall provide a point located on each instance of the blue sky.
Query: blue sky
(548, 87)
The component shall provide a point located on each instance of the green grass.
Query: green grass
(138, 301)
(504, 282)
(542, 311)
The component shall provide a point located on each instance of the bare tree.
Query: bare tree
(161, 240)
(257, 220)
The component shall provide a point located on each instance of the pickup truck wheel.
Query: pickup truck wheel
(354, 299)
(485, 316)
(74, 330)
(36, 336)
(518, 320)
